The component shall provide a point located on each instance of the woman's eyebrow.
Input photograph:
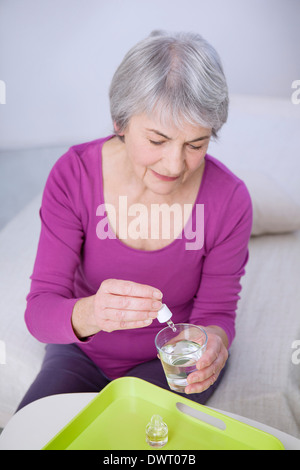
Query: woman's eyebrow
(159, 133)
(200, 138)
(170, 138)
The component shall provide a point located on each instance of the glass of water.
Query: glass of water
(179, 351)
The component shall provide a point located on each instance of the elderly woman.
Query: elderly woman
(102, 272)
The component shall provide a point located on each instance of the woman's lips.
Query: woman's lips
(165, 178)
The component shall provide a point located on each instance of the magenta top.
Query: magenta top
(200, 286)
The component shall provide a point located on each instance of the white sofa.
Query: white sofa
(261, 143)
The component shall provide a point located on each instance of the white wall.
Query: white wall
(57, 57)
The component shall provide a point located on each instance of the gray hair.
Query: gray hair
(178, 75)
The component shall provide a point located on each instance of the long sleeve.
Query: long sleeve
(224, 264)
(51, 299)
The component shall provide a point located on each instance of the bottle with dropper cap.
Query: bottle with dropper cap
(164, 316)
(156, 432)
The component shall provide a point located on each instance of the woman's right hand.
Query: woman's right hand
(117, 305)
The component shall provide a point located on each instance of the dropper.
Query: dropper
(164, 316)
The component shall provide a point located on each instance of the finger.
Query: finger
(208, 358)
(109, 325)
(130, 288)
(199, 387)
(213, 350)
(124, 302)
(122, 315)
(203, 374)
(205, 377)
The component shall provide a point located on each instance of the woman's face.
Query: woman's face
(164, 157)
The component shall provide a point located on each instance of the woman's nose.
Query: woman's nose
(174, 163)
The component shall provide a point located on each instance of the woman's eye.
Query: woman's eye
(155, 142)
(192, 147)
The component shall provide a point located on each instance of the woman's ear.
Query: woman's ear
(118, 133)
(117, 129)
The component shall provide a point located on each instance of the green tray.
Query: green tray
(117, 417)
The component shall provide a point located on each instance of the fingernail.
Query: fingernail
(153, 314)
(156, 304)
(157, 294)
(201, 365)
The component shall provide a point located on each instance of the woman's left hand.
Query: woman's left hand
(211, 363)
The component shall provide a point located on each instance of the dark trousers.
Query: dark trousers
(66, 369)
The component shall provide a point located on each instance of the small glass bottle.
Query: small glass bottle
(156, 432)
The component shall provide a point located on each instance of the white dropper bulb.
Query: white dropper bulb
(164, 316)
